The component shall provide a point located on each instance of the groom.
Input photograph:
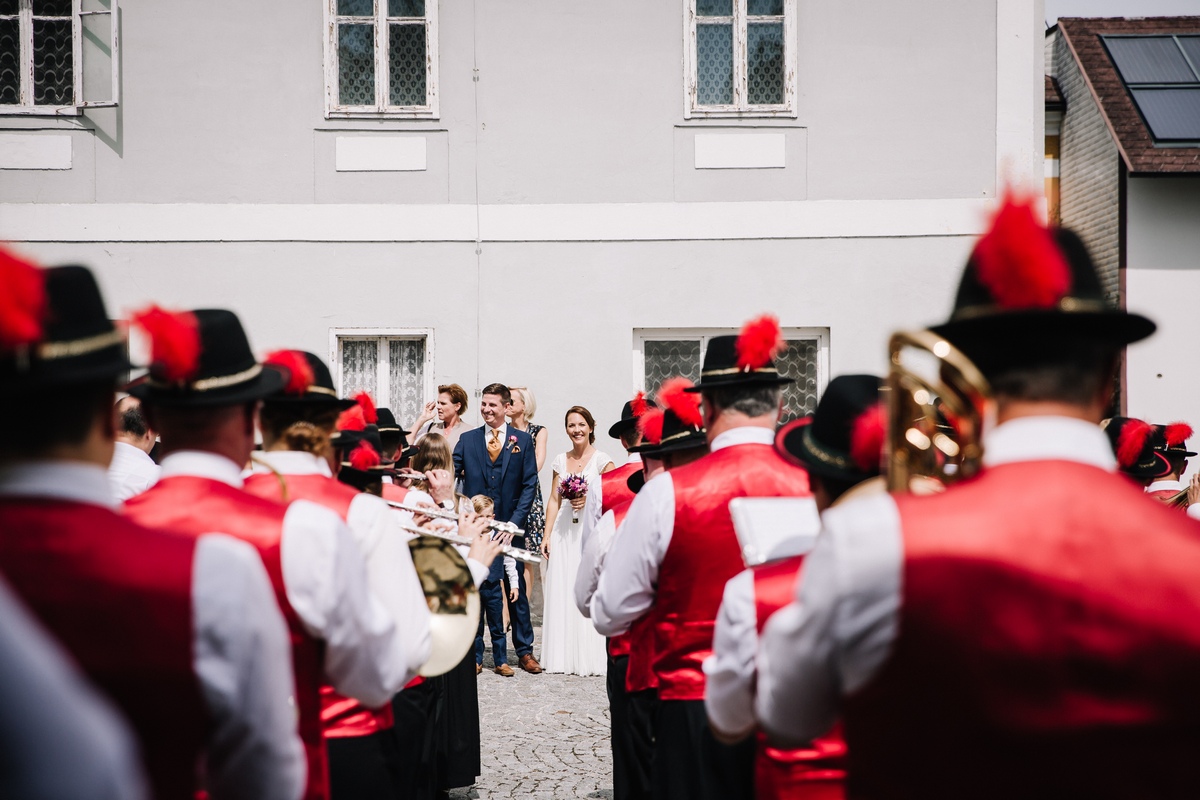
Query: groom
(498, 460)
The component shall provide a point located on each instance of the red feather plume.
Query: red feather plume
(1018, 261)
(300, 374)
(368, 407)
(352, 419)
(867, 438)
(364, 457)
(638, 404)
(174, 342)
(1131, 441)
(759, 342)
(1177, 433)
(685, 405)
(22, 301)
(651, 425)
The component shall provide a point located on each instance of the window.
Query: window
(1162, 75)
(381, 58)
(57, 56)
(662, 354)
(392, 366)
(740, 58)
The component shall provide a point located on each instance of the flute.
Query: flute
(508, 550)
(438, 513)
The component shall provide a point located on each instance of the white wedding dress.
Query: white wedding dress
(569, 642)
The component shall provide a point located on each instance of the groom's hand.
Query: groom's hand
(441, 484)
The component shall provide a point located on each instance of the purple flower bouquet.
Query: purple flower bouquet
(573, 487)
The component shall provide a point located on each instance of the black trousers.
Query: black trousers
(416, 711)
(364, 767)
(689, 764)
(632, 752)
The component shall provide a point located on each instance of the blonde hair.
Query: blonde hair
(483, 504)
(527, 398)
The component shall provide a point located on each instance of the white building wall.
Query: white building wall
(1162, 279)
(560, 206)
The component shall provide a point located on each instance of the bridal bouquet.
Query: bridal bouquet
(573, 487)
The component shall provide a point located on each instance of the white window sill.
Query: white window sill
(41, 111)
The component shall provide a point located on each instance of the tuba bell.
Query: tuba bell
(453, 602)
(938, 405)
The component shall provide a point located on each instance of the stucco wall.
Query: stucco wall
(1162, 279)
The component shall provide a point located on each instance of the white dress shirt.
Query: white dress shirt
(839, 631)
(376, 529)
(241, 652)
(325, 578)
(131, 471)
(1174, 486)
(627, 584)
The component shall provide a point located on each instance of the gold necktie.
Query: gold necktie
(493, 445)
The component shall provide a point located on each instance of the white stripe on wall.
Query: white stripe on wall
(186, 222)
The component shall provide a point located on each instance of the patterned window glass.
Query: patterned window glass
(406, 8)
(799, 362)
(356, 65)
(714, 65)
(406, 52)
(406, 377)
(360, 366)
(10, 53)
(764, 53)
(667, 358)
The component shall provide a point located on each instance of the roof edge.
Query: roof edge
(1065, 31)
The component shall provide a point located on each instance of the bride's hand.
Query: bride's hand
(578, 503)
(545, 548)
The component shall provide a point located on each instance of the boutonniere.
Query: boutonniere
(512, 444)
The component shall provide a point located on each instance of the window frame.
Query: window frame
(25, 32)
(739, 109)
(431, 109)
(643, 335)
(381, 335)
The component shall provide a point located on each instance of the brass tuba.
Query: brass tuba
(938, 404)
(453, 602)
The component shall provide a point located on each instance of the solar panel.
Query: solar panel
(1173, 114)
(1149, 59)
(1191, 46)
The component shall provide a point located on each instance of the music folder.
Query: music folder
(771, 528)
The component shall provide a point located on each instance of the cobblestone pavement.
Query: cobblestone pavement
(543, 736)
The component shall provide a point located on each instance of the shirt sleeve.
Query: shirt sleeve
(592, 562)
(729, 671)
(627, 583)
(391, 575)
(510, 569)
(839, 630)
(1193, 511)
(326, 579)
(244, 664)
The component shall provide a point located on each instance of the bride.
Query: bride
(569, 642)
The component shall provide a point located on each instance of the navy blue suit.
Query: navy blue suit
(511, 482)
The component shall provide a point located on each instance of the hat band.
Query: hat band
(708, 373)
(1067, 304)
(681, 435)
(824, 455)
(321, 390)
(48, 351)
(218, 382)
(389, 430)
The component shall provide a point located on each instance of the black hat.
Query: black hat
(309, 381)
(848, 419)
(77, 342)
(681, 426)
(224, 372)
(1133, 443)
(636, 480)
(1027, 291)
(629, 415)
(747, 359)
(1172, 439)
(387, 422)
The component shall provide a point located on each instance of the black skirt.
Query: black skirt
(364, 767)
(456, 726)
(416, 712)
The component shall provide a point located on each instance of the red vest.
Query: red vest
(341, 717)
(614, 486)
(393, 493)
(618, 646)
(809, 773)
(704, 554)
(194, 506)
(1043, 648)
(119, 598)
